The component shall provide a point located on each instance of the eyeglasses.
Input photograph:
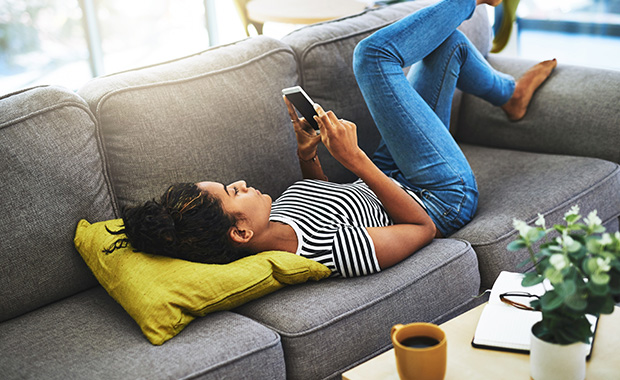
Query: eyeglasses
(508, 298)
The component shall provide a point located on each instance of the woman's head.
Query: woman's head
(188, 222)
(249, 205)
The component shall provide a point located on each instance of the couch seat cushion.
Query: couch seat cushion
(89, 336)
(520, 185)
(329, 326)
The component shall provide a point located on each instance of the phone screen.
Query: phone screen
(302, 103)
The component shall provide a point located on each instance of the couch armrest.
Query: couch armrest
(575, 112)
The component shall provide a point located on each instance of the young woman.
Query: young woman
(417, 186)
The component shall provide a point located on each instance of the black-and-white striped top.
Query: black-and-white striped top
(330, 221)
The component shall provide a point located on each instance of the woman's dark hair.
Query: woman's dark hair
(186, 223)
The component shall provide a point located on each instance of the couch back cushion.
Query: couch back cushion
(325, 53)
(217, 115)
(52, 176)
(574, 112)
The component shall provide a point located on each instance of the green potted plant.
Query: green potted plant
(582, 265)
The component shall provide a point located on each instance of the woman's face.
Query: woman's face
(238, 198)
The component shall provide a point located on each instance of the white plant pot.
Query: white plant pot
(550, 361)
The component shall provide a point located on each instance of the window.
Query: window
(581, 32)
(67, 42)
(41, 41)
(142, 32)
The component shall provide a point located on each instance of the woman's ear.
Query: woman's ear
(240, 235)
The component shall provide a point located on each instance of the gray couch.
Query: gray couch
(218, 115)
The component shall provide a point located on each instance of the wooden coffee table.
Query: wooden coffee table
(466, 362)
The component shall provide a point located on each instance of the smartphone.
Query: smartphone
(302, 103)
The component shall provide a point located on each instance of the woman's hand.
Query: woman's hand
(339, 137)
(307, 138)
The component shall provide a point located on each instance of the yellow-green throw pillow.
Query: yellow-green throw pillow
(163, 294)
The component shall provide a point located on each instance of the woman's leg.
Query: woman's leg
(414, 135)
(457, 63)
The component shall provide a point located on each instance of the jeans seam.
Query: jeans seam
(402, 111)
(445, 72)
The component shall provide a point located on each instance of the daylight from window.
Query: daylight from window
(66, 42)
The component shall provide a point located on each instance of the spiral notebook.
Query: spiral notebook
(506, 328)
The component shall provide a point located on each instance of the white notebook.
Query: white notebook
(504, 327)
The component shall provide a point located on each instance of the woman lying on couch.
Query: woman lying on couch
(417, 186)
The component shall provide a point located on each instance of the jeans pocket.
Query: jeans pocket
(443, 208)
(447, 210)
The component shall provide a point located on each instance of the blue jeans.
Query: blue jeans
(412, 113)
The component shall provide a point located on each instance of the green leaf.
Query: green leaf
(554, 275)
(614, 282)
(544, 251)
(531, 279)
(593, 245)
(559, 228)
(576, 302)
(600, 278)
(566, 288)
(535, 234)
(550, 301)
(574, 247)
(516, 245)
(579, 254)
(601, 305)
(598, 290)
(590, 266)
(555, 249)
(578, 227)
(572, 218)
(608, 306)
(577, 330)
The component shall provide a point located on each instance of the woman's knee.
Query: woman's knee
(458, 37)
(455, 41)
(373, 53)
(363, 50)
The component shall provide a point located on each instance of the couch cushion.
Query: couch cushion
(217, 115)
(520, 185)
(575, 112)
(325, 53)
(89, 336)
(52, 176)
(329, 326)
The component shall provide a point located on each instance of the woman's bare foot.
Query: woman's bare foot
(525, 87)
(492, 3)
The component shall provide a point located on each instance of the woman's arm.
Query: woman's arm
(413, 227)
(311, 168)
(307, 142)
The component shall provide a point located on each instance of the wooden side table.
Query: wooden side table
(302, 11)
(466, 362)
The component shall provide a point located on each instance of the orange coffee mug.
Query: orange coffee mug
(421, 351)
